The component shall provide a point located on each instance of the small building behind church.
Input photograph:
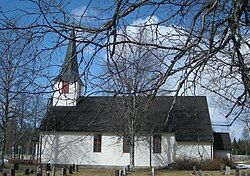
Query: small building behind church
(92, 131)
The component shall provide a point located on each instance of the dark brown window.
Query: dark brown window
(97, 142)
(65, 87)
(156, 143)
(126, 144)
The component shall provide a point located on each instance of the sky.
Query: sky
(76, 8)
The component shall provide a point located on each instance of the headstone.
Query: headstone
(31, 171)
(124, 171)
(194, 170)
(237, 172)
(70, 169)
(200, 173)
(64, 171)
(117, 172)
(16, 165)
(74, 167)
(4, 173)
(53, 171)
(26, 171)
(39, 170)
(221, 168)
(153, 172)
(228, 170)
(128, 168)
(77, 168)
(12, 172)
(47, 173)
(1, 169)
(121, 172)
(48, 168)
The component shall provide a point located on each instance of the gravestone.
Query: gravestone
(200, 173)
(194, 170)
(39, 170)
(48, 173)
(74, 167)
(64, 171)
(31, 171)
(228, 170)
(70, 169)
(16, 165)
(127, 168)
(117, 172)
(48, 168)
(4, 173)
(124, 170)
(221, 168)
(53, 171)
(153, 172)
(77, 168)
(26, 171)
(12, 172)
(237, 172)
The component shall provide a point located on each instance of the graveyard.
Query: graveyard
(75, 170)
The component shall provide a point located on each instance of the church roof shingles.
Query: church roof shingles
(189, 118)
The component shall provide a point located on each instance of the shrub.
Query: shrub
(186, 163)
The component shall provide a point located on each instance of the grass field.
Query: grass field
(111, 172)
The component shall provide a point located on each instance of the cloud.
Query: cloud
(79, 12)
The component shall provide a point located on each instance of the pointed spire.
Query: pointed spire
(69, 70)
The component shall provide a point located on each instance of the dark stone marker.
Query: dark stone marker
(16, 166)
(48, 168)
(117, 172)
(12, 172)
(63, 171)
(237, 172)
(1, 169)
(4, 173)
(26, 171)
(70, 169)
(31, 171)
(47, 173)
(77, 168)
(221, 168)
(74, 167)
(53, 171)
(128, 168)
(194, 170)
(38, 174)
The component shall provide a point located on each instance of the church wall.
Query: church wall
(194, 150)
(68, 99)
(77, 148)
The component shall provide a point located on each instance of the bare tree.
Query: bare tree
(17, 68)
(131, 74)
(205, 44)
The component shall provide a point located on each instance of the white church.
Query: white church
(92, 131)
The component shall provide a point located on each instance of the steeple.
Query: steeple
(69, 70)
(68, 85)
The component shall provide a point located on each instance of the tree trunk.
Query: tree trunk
(3, 141)
(132, 154)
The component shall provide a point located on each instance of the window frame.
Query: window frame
(65, 87)
(125, 145)
(97, 143)
(157, 139)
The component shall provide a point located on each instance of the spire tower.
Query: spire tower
(68, 85)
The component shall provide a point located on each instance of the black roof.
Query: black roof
(222, 141)
(189, 118)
